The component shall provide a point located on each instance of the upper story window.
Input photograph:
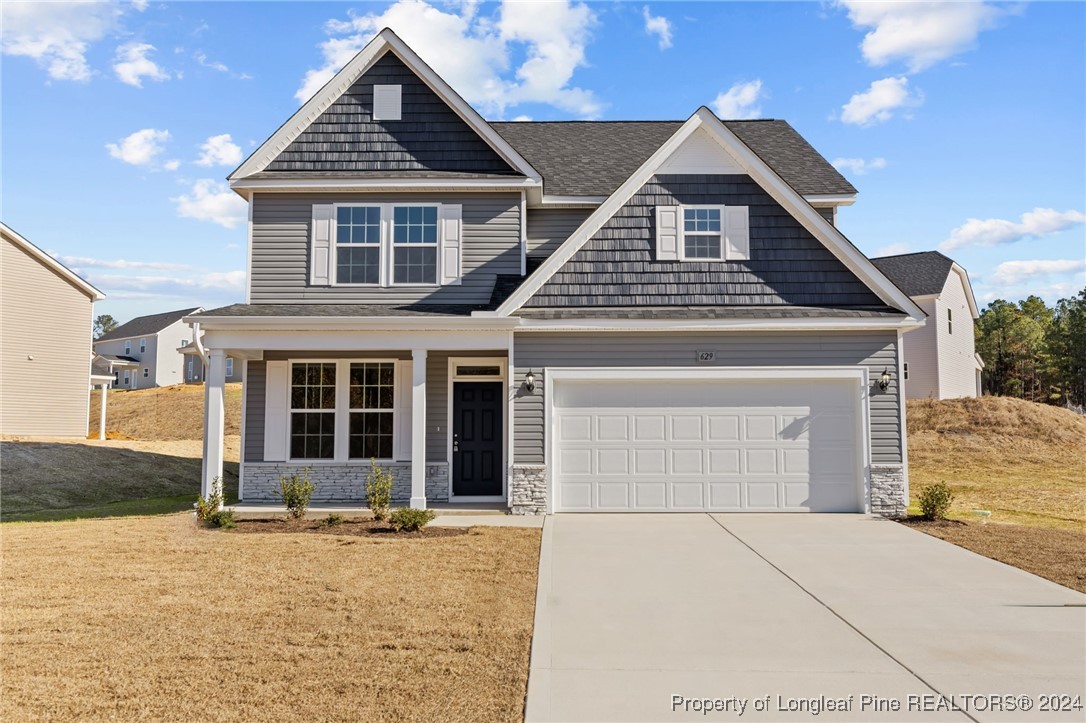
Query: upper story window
(143, 345)
(127, 347)
(703, 233)
(949, 321)
(375, 244)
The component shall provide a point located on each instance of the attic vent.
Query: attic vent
(386, 102)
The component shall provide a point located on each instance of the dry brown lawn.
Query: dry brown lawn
(1019, 460)
(152, 618)
(164, 413)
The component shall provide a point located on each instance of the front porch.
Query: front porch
(432, 408)
(249, 511)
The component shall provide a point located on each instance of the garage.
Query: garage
(708, 440)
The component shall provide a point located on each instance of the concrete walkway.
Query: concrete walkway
(636, 610)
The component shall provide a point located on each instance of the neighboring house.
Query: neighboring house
(196, 370)
(563, 317)
(152, 343)
(46, 314)
(940, 359)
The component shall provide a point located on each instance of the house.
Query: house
(559, 317)
(940, 359)
(196, 370)
(143, 353)
(46, 314)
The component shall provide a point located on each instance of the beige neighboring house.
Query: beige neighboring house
(143, 352)
(46, 316)
(941, 361)
(196, 370)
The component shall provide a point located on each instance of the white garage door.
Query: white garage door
(643, 446)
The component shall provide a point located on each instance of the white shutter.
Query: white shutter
(276, 410)
(737, 233)
(402, 434)
(320, 245)
(451, 241)
(668, 233)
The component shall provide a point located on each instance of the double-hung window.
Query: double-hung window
(229, 366)
(127, 347)
(372, 404)
(949, 321)
(312, 410)
(703, 233)
(386, 244)
(143, 345)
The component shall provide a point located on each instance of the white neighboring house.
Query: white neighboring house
(144, 352)
(940, 358)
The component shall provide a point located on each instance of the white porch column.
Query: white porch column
(418, 429)
(214, 420)
(102, 416)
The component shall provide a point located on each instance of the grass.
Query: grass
(164, 413)
(50, 480)
(1019, 460)
(152, 618)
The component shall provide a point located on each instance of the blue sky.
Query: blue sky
(961, 124)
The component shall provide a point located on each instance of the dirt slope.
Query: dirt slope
(175, 412)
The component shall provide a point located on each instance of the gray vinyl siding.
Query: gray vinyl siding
(874, 350)
(437, 396)
(429, 137)
(281, 249)
(787, 265)
(549, 227)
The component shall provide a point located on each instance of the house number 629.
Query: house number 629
(704, 357)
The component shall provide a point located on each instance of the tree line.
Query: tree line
(1034, 351)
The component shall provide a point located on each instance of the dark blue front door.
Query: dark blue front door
(477, 438)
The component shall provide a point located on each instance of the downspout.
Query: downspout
(198, 342)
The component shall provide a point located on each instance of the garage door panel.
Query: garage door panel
(719, 446)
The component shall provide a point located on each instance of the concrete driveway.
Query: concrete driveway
(635, 612)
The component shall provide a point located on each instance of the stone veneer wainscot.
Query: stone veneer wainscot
(343, 482)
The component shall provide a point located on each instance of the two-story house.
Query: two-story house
(143, 352)
(564, 317)
(941, 360)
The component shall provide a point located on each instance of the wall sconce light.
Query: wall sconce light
(884, 379)
(529, 381)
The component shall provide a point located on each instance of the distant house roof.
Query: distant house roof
(920, 274)
(594, 158)
(48, 261)
(119, 359)
(147, 325)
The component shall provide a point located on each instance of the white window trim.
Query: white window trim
(387, 247)
(503, 364)
(683, 233)
(342, 412)
(189, 369)
(229, 366)
(143, 346)
(950, 322)
(146, 373)
(127, 347)
(905, 371)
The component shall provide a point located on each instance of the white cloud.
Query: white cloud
(132, 65)
(919, 33)
(216, 283)
(89, 262)
(879, 102)
(201, 58)
(473, 53)
(172, 165)
(658, 25)
(859, 166)
(210, 200)
(1015, 272)
(892, 250)
(56, 34)
(141, 5)
(141, 148)
(740, 101)
(997, 231)
(219, 151)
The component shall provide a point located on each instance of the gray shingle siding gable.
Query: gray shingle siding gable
(281, 250)
(617, 266)
(430, 136)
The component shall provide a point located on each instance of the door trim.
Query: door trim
(452, 378)
(859, 375)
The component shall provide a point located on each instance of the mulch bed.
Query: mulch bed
(1054, 554)
(360, 527)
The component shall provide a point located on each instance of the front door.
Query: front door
(477, 439)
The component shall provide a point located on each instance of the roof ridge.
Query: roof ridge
(632, 120)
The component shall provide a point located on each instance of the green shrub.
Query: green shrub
(407, 519)
(223, 519)
(209, 506)
(296, 491)
(935, 501)
(332, 520)
(379, 490)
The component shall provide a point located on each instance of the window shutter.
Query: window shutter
(402, 433)
(737, 233)
(276, 410)
(451, 241)
(668, 233)
(320, 245)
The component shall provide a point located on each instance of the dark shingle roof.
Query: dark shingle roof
(710, 312)
(593, 158)
(919, 274)
(119, 358)
(269, 310)
(146, 325)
